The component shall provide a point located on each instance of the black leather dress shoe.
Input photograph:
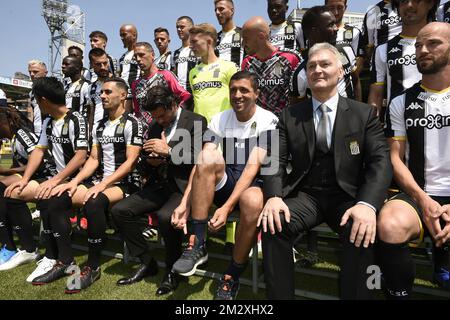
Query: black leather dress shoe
(169, 283)
(142, 272)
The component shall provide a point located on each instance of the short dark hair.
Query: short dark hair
(51, 89)
(230, 1)
(98, 34)
(160, 96)
(311, 18)
(431, 13)
(96, 52)
(120, 83)
(147, 45)
(326, 2)
(75, 48)
(161, 29)
(186, 18)
(285, 1)
(246, 75)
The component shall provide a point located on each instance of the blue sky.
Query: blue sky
(25, 35)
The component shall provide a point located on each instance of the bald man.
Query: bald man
(128, 66)
(419, 118)
(273, 66)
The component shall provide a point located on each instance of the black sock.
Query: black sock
(311, 237)
(51, 248)
(96, 210)
(59, 213)
(6, 235)
(22, 223)
(398, 269)
(235, 269)
(440, 258)
(199, 229)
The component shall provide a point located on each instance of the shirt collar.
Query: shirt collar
(331, 103)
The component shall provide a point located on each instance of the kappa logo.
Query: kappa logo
(414, 106)
(395, 50)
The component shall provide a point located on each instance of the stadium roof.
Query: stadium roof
(15, 89)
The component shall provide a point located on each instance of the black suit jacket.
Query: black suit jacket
(190, 126)
(364, 175)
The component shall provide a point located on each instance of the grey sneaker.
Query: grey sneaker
(192, 257)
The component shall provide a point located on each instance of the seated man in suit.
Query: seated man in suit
(230, 179)
(340, 175)
(171, 128)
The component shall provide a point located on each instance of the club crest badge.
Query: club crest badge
(354, 148)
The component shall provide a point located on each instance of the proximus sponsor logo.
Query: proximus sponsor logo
(270, 82)
(406, 60)
(437, 121)
(106, 140)
(389, 21)
(207, 85)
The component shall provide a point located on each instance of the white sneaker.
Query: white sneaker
(36, 214)
(21, 257)
(43, 266)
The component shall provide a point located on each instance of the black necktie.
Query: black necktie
(321, 134)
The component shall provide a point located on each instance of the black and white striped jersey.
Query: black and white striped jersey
(77, 96)
(63, 137)
(183, 62)
(22, 144)
(164, 61)
(395, 65)
(85, 74)
(349, 35)
(422, 117)
(443, 12)
(128, 67)
(112, 139)
(229, 46)
(381, 23)
(37, 115)
(95, 101)
(288, 35)
(299, 84)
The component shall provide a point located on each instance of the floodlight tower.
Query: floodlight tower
(55, 15)
(65, 23)
(296, 14)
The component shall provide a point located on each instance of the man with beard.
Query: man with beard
(100, 64)
(162, 40)
(419, 131)
(150, 77)
(394, 65)
(229, 39)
